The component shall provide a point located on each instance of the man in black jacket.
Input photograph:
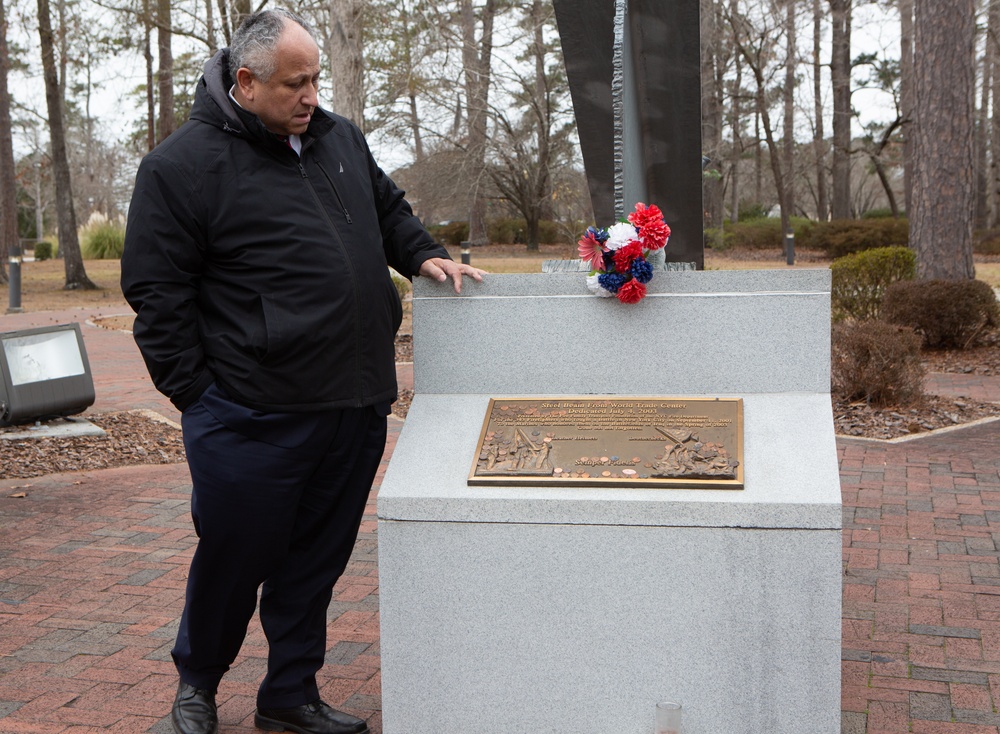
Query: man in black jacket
(256, 258)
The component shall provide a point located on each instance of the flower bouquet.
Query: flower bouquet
(618, 256)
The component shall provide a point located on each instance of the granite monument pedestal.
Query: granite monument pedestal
(573, 610)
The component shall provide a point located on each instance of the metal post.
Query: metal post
(790, 248)
(14, 277)
(466, 256)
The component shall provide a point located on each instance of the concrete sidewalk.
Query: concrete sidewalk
(93, 566)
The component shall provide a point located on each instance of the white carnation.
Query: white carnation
(620, 235)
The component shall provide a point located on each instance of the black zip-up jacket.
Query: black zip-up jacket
(264, 272)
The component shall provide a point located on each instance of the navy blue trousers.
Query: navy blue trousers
(277, 501)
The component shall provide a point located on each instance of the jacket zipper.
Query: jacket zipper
(354, 277)
(335, 192)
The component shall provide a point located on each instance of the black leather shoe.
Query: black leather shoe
(313, 718)
(194, 711)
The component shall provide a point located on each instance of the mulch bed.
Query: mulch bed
(132, 438)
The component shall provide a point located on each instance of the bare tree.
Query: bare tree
(736, 126)
(788, 99)
(714, 52)
(533, 135)
(906, 104)
(69, 244)
(8, 184)
(477, 59)
(840, 74)
(944, 164)
(879, 137)
(756, 43)
(993, 45)
(819, 136)
(165, 75)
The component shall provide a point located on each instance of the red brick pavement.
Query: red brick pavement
(975, 387)
(92, 568)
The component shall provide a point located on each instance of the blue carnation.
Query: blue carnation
(611, 281)
(601, 235)
(609, 260)
(642, 270)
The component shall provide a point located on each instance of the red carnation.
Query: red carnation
(631, 292)
(653, 231)
(624, 256)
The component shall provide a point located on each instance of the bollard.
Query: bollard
(789, 248)
(466, 256)
(14, 278)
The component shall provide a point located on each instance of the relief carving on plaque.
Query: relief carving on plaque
(692, 458)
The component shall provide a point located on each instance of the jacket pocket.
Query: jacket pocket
(275, 327)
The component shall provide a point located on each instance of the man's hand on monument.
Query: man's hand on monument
(440, 269)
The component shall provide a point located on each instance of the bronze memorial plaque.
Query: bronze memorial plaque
(612, 441)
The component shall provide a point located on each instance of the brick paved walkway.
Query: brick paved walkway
(92, 569)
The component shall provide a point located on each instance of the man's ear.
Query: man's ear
(245, 80)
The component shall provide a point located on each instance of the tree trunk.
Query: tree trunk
(165, 74)
(788, 94)
(346, 60)
(875, 156)
(982, 141)
(736, 124)
(8, 183)
(840, 73)
(150, 96)
(476, 62)
(906, 82)
(755, 55)
(411, 84)
(69, 244)
(210, 28)
(819, 136)
(993, 42)
(780, 178)
(758, 155)
(542, 107)
(240, 10)
(944, 159)
(712, 79)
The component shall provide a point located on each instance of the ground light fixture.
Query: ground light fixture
(44, 373)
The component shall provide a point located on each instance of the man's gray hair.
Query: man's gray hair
(255, 40)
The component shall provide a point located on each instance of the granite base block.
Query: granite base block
(499, 628)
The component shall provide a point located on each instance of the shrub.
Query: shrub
(881, 213)
(45, 250)
(452, 233)
(986, 242)
(755, 234)
(860, 280)
(714, 238)
(514, 231)
(505, 231)
(102, 238)
(847, 236)
(403, 286)
(762, 234)
(750, 210)
(948, 313)
(876, 362)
